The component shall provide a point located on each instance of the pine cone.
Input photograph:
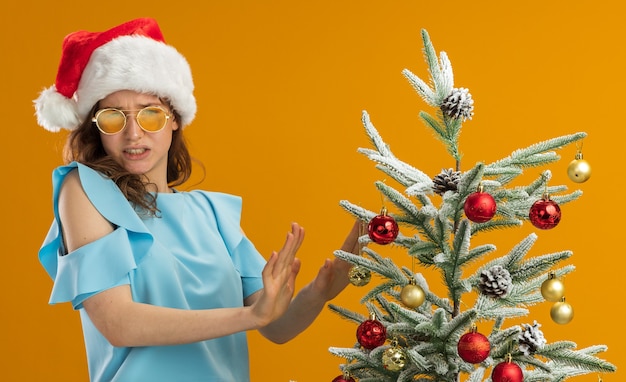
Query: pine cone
(531, 338)
(459, 104)
(446, 180)
(495, 282)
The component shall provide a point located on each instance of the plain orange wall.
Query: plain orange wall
(280, 89)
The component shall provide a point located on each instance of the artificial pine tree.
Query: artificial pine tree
(412, 334)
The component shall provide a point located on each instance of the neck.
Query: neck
(157, 187)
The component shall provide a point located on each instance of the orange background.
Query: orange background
(280, 89)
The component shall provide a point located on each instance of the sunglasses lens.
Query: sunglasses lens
(110, 121)
(152, 118)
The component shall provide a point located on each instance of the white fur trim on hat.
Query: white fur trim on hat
(141, 64)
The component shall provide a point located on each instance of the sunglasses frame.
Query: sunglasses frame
(126, 113)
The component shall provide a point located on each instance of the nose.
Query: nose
(133, 130)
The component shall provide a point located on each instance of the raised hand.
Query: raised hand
(332, 277)
(279, 277)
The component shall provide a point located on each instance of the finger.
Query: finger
(292, 244)
(284, 256)
(270, 264)
(271, 279)
(351, 243)
(325, 268)
(324, 275)
(357, 248)
(298, 232)
(295, 269)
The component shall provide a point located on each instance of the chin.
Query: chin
(135, 169)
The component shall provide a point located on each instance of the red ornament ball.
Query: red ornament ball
(473, 347)
(371, 334)
(382, 229)
(480, 207)
(343, 378)
(507, 372)
(545, 214)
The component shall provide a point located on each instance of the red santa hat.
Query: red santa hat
(131, 56)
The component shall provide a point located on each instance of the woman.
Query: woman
(165, 281)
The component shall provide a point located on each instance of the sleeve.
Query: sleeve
(246, 258)
(104, 263)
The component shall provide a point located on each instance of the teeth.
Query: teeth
(135, 151)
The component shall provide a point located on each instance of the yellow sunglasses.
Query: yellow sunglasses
(111, 121)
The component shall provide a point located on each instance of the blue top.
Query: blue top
(193, 256)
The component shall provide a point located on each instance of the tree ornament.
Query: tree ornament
(562, 312)
(359, 276)
(579, 170)
(412, 295)
(495, 282)
(552, 289)
(458, 104)
(382, 229)
(545, 213)
(480, 206)
(531, 339)
(473, 347)
(507, 371)
(371, 333)
(345, 377)
(446, 180)
(394, 358)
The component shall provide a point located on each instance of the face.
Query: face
(138, 151)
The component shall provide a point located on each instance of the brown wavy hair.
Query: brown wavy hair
(84, 145)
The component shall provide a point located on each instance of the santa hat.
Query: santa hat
(131, 56)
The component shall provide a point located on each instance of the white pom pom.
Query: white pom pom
(55, 111)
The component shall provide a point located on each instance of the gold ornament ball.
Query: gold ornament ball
(412, 295)
(552, 289)
(579, 170)
(359, 276)
(562, 312)
(394, 359)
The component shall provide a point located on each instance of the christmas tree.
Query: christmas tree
(411, 333)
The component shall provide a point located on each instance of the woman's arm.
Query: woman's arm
(125, 322)
(331, 279)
